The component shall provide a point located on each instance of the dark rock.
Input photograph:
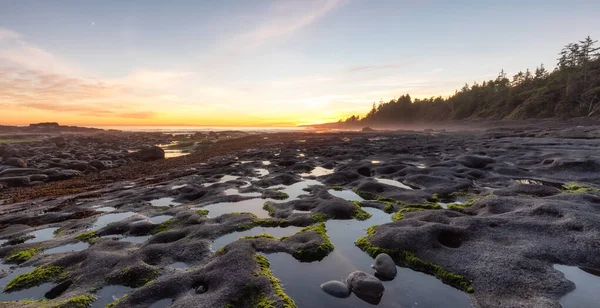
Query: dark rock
(385, 266)
(15, 162)
(19, 172)
(367, 287)
(150, 153)
(336, 288)
(15, 181)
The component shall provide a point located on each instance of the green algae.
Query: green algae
(86, 236)
(400, 214)
(36, 277)
(267, 207)
(21, 256)
(164, 226)
(115, 302)
(264, 270)
(202, 212)
(578, 188)
(319, 252)
(359, 213)
(319, 217)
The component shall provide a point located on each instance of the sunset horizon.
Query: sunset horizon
(270, 64)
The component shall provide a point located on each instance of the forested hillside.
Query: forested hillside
(572, 89)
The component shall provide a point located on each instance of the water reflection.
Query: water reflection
(409, 289)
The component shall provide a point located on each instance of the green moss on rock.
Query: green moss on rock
(319, 217)
(81, 301)
(162, 227)
(315, 253)
(202, 212)
(267, 207)
(86, 236)
(36, 277)
(400, 214)
(21, 256)
(579, 188)
(359, 213)
(115, 302)
(264, 270)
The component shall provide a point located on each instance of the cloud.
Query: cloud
(6, 34)
(283, 18)
(154, 79)
(369, 68)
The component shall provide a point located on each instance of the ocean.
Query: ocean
(191, 129)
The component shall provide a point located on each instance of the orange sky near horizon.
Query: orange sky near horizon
(273, 63)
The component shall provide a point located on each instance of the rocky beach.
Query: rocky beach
(494, 217)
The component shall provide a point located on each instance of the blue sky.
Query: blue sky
(263, 62)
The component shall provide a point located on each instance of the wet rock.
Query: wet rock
(58, 174)
(336, 288)
(384, 266)
(150, 153)
(367, 287)
(15, 162)
(15, 181)
(475, 161)
(18, 172)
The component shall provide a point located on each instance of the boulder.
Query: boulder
(15, 181)
(384, 266)
(366, 287)
(336, 288)
(58, 174)
(15, 162)
(150, 153)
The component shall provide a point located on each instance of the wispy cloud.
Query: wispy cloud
(283, 18)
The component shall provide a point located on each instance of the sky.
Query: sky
(262, 63)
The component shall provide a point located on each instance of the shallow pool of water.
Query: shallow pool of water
(317, 171)
(41, 235)
(104, 220)
(131, 239)
(175, 153)
(261, 172)
(109, 294)
(587, 285)
(106, 209)
(159, 219)
(232, 237)
(346, 194)
(166, 201)
(233, 191)
(225, 178)
(178, 266)
(409, 289)
(295, 190)
(254, 206)
(79, 246)
(393, 183)
(163, 303)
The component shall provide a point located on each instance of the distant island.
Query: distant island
(571, 90)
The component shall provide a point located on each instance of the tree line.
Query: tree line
(571, 89)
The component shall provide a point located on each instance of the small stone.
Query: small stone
(336, 288)
(201, 289)
(384, 266)
(367, 287)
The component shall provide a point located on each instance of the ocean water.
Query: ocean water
(191, 129)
